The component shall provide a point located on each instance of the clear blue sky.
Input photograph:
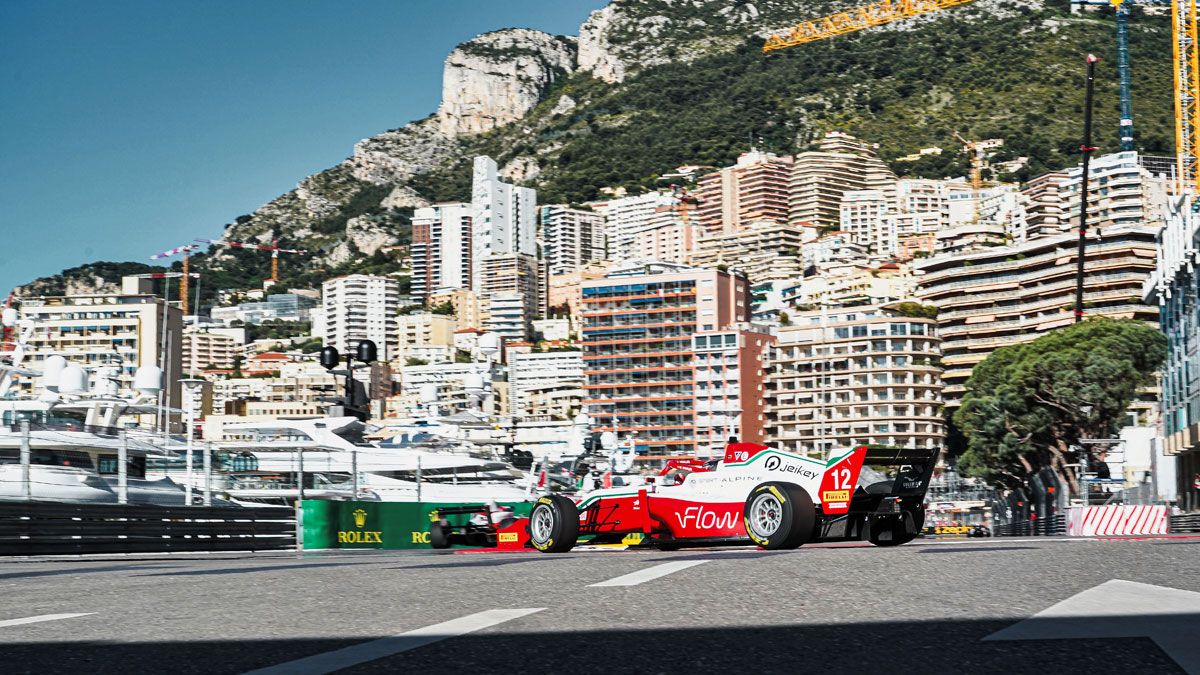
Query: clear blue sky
(130, 127)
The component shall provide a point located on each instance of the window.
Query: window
(859, 331)
(841, 332)
(899, 329)
(731, 340)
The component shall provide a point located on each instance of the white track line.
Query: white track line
(39, 619)
(649, 574)
(377, 649)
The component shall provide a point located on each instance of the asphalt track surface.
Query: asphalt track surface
(921, 608)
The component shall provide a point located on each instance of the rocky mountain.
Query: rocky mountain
(648, 85)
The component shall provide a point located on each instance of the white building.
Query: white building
(571, 238)
(361, 307)
(441, 248)
(504, 217)
(626, 217)
(862, 211)
(544, 376)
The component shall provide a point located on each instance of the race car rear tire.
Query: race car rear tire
(439, 534)
(553, 524)
(779, 516)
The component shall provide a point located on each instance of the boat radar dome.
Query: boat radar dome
(148, 380)
(473, 383)
(52, 371)
(489, 343)
(73, 380)
(429, 393)
(8, 317)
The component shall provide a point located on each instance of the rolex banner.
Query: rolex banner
(388, 525)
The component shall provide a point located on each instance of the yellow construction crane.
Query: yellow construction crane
(975, 150)
(858, 18)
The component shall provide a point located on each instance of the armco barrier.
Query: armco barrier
(1116, 520)
(48, 528)
(384, 525)
(1041, 527)
(1186, 523)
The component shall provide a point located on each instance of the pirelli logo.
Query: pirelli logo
(507, 537)
(835, 496)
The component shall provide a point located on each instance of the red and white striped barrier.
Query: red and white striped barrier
(1105, 521)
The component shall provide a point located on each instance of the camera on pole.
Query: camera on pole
(356, 400)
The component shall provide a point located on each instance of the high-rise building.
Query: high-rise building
(441, 248)
(506, 279)
(730, 367)
(120, 330)
(849, 376)
(639, 330)
(626, 217)
(203, 349)
(504, 218)
(425, 336)
(753, 189)
(1121, 192)
(1002, 295)
(670, 236)
(819, 178)
(571, 237)
(861, 214)
(1173, 287)
(361, 307)
(465, 303)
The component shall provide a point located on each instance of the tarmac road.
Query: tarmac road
(921, 608)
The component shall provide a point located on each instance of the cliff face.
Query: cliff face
(496, 78)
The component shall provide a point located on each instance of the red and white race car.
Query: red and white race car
(772, 498)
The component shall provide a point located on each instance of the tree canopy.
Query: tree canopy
(1027, 406)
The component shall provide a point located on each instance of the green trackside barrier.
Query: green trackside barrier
(382, 525)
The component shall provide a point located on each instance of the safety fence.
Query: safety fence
(43, 528)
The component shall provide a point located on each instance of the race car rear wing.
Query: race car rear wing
(903, 472)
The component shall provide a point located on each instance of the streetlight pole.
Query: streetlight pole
(191, 386)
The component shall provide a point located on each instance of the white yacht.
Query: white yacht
(328, 453)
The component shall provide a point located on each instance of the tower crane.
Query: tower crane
(1185, 45)
(975, 150)
(273, 247)
(858, 18)
(186, 251)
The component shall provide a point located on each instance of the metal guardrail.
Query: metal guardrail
(1189, 522)
(44, 528)
(1042, 527)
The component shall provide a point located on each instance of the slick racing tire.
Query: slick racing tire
(779, 516)
(553, 524)
(439, 534)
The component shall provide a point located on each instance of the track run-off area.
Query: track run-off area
(947, 606)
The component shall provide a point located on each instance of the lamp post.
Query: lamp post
(191, 386)
(367, 353)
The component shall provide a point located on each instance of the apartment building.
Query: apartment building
(204, 350)
(1002, 295)
(361, 307)
(545, 382)
(425, 336)
(819, 178)
(441, 248)
(508, 293)
(670, 236)
(626, 217)
(275, 307)
(843, 377)
(639, 325)
(121, 330)
(763, 250)
(565, 290)
(1041, 200)
(861, 213)
(730, 371)
(504, 219)
(755, 188)
(1121, 192)
(304, 383)
(465, 303)
(571, 238)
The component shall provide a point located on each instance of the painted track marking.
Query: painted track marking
(649, 574)
(353, 655)
(40, 618)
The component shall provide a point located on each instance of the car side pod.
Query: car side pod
(779, 516)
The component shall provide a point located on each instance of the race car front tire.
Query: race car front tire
(553, 524)
(779, 516)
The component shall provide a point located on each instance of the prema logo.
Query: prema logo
(698, 516)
